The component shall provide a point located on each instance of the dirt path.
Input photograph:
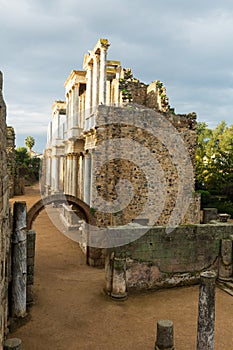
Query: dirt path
(72, 312)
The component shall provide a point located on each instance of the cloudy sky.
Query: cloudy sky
(186, 44)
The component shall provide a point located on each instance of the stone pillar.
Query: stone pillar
(225, 260)
(88, 102)
(206, 311)
(69, 174)
(87, 178)
(119, 288)
(55, 174)
(95, 81)
(48, 171)
(109, 271)
(80, 177)
(74, 175)
(108, 92)
(13, 344)
(77, 120)
(61, 174)
(31, 244)
(209, 214)
(102, 79)
(19, 261)
(65, 174)
(165, 335)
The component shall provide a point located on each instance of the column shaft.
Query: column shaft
(102, 75)
(88, 102)
(95, 80)
(206, 312)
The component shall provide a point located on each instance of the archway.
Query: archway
(83, 208)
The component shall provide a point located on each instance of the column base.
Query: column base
(120, 297)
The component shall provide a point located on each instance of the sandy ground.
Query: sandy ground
(72, 312)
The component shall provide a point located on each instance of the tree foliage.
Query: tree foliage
(214, 165)
(214, 158)
(28, 167)
(29, 142)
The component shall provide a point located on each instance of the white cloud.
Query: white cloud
(185, 44)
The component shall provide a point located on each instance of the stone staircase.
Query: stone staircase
(226, 286)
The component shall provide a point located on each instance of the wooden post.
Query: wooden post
(19, 261)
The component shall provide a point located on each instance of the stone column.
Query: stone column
(109, 271)
(76, 106)
(31, 243)
(19, 261)
(165, 335)
(61, 174)
(65, 174)
(108, 92)
(88, 102)
(55, 173)
(74, 174)
(48, 171)
(80, 177)
(69, 174)
(87, 178)
(119, 288)
(13, 344)
(95, 81)
(206, 311)
(102, 79)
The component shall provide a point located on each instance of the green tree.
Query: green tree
(214, 157)
(22, 157)
(28, 167)
(29, 142)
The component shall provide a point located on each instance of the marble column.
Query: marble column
(74, 175)
(48, 174)
(61, 174)
(67, 175)
(88, 102)
(102, 76)
(67, 111)
(55, 174)
(75, 106)
(108, 92)
(87, 177)
(95, 82)
(80, 177)
(70, 174)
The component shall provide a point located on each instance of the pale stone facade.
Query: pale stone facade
(99, 100)
(5, 221)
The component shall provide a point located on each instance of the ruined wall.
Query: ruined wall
(5, 221)
(160, 259)
(11, 166)
(136, 152)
